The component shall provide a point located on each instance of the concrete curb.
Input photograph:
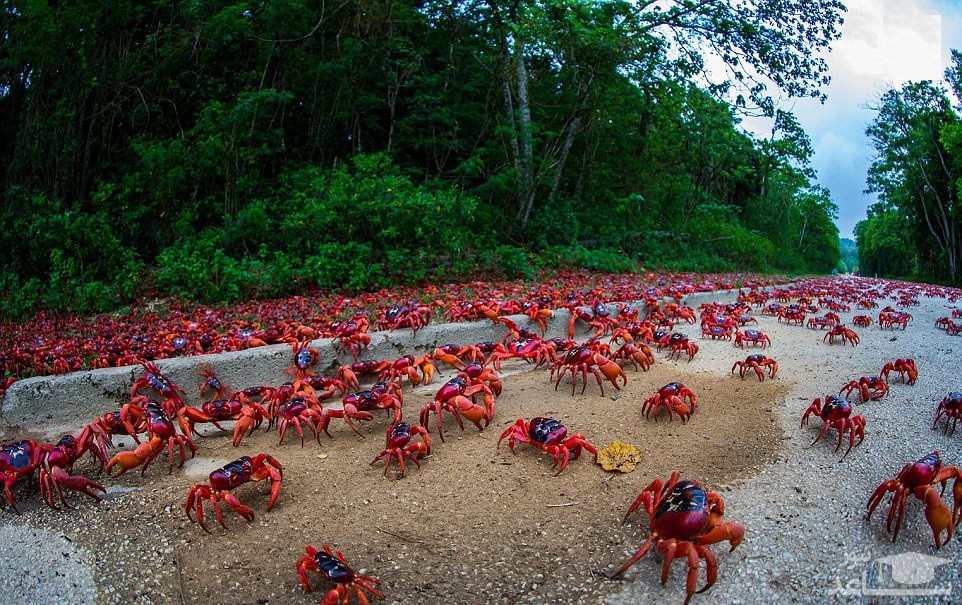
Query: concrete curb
(53, 405)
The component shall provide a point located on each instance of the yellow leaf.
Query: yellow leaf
(619, 457)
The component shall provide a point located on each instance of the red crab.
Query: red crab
(548, 435)
(407, 366)
(450, 354)
(837, 414)
(161, 431)
(905, 367)
(97, 435)
(752, 337)
(515, 331)
(212, 384)
(154, 379)
(336, 569)
(715, 331)
(399, 444)
(459, 396)
(684, 520)
(757, 362)
(348, 373)
(843, 334)
(248, 416)
(406, 315)
(672, 397)
(794, 315)
(537, 314)
(357, 406)
(862, 321)
(679, 312)
(302, 407)
(304, 358)
(920, 479)
(229, 477)
(56, 469)
(599, 319)
(55, 462)
(324, 387)
(639, 356)
(585, 360)
(351, 334)
(690, 348)
(259, 394)
(951, 408)
(868, 387)
(889, 318)
(830, 320)
(532, 350)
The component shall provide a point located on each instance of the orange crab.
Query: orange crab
(920, 479)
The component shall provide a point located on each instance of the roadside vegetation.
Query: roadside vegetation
(914, 230)
(220, 151)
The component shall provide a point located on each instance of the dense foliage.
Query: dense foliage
(849, 262)
(915, 227)
(218, 150)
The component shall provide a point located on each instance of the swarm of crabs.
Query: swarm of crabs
(604, 339)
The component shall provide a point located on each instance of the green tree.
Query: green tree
(914, 171)
(883, 248)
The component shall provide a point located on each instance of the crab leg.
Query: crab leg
(641, 552)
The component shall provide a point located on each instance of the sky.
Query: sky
(884, 44)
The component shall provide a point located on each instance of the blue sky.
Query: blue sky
(884, 44)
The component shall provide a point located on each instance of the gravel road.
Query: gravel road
(807, 538)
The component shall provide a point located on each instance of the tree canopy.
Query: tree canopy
(227, 149)
(914, 228)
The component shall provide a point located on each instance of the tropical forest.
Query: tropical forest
(219, 151)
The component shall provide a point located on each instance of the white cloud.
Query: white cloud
(884, 44)
(911, 48)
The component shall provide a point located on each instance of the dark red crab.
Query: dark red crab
(333, 565)
(684, 520)
(400, 444)
(548, 435)
(836, 413)
(229, 477)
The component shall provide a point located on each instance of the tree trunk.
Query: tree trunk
(525, 140)
(563, 159)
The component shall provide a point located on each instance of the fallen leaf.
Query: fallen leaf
(619, 457)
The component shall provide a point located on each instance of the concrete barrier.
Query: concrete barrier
(48, 406)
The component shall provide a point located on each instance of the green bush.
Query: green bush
(369, 200)
(197, 268)
(346, 265)
(19, 299)
(510, 262)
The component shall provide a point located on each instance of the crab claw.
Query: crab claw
(732, 532)
(611, 370)
(128, 460)
(936, 513)
(124, 461)
(332, 597)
